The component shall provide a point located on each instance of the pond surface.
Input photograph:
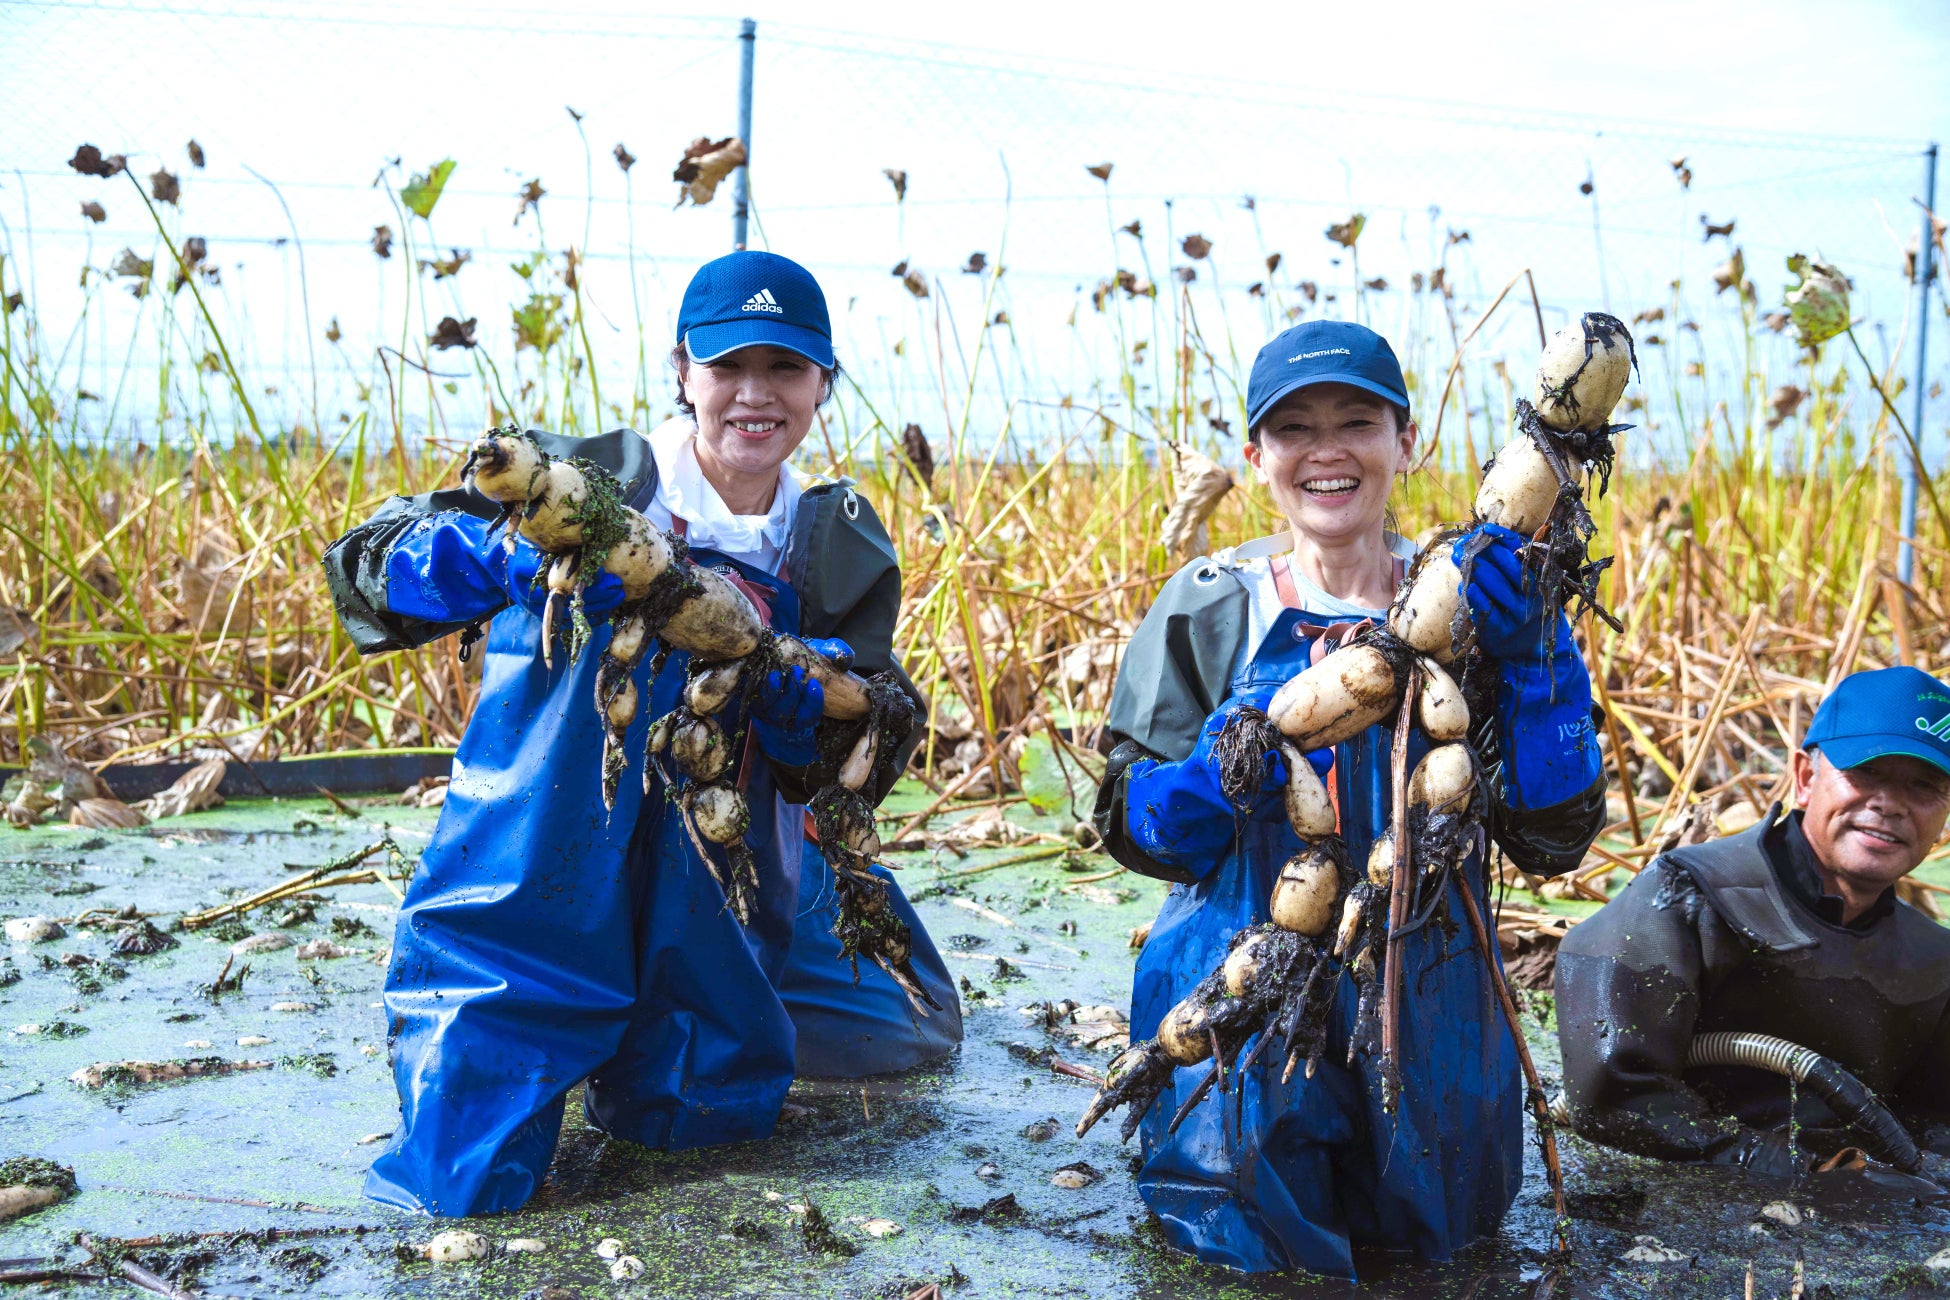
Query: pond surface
(271, 1161)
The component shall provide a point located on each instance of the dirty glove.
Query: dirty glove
(1543, 714)
(1177, 812)
(1765, 1157)
(787, 705)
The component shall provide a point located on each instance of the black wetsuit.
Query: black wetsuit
(1736, 934)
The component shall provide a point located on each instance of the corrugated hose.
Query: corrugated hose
(1851, 1100)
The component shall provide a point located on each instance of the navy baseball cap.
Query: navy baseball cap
(1323, 352)
(1888, 711)
(749, 298)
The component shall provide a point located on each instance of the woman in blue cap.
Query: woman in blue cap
(545, 942)
(1290, 1175)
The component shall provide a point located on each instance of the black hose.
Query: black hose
(1846, 1095)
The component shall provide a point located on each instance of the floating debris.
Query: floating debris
(34, 929)
(1650, 1250)
(1785, 1213)
(1076, 1176)
(54, 1029)
(626, 1268)
(610, 1248)
(1939, 1263)
(225, 982)
(143, 940)
(819, 1236)
(133, 1073)
(294, 1006)
(1042, 1130)
(193, 791)
(988, 1170)
(996, 1210)
(323, 950)
(524, 1246)
(269, 941)
(881, 1228)
(456, 1247)
(371, 1138)
(253, 1040)
(198, 1045)
(28, 1183)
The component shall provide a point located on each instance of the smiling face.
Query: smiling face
(754, 406)
(1873, 823)
(1327, 453)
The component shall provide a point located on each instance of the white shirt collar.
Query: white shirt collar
(684, 491)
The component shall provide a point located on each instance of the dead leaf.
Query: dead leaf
(1135, 229)
(920, 456)
(1346, 232)
(1101, 170)
(1309, 290)
(1682, 173)
(1379, 284)
(1257, 289)
(1782, 403)
(1185, 274)
(1724, 230)
(451, 333)
(382, 241)
(208, 595)
(195, 151)
(1776, 320)
(1199, 483)
(1195, 246)
(530, 196)
(976, 264)
(1586, 186)
(105, 814)
(193, 791)
(1729, 273)
(332, 332)
(624, 158)
(94, 211)
(129, 266)
(1272, 263)
(163, 187)
(897, 177)
(917, 284)
(1649, 315)
(1458, 237)
(450, 265)
(706, 162)
(88, 160)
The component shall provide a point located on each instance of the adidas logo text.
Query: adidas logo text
(764, 301)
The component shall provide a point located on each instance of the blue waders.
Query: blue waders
(545, 941)
(1284, 1176)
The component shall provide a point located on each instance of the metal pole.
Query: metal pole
(740, 184)
(1905, 550)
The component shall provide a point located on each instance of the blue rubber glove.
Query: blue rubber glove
(788, 705)
(526, 573)
(1511, 616)
(1177, 813)
(1550, 752)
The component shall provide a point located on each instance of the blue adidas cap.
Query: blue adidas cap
(1889, 711)
(1323, 352)
(750, 298)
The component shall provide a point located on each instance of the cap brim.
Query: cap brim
(1853, 751)
(709, 342)
(1353, 381)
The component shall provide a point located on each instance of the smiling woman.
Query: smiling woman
(564, 928)
(1302, 1167)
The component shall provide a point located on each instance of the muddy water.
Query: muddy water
(275, 1156)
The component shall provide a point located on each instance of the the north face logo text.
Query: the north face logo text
(764, 301)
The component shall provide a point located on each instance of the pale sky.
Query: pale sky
(1802, 122)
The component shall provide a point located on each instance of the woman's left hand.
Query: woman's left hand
(1511, 616)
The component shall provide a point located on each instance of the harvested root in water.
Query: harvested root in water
(130, 1073)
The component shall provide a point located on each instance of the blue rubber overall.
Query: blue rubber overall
(1286, 1176)
(544, 942)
